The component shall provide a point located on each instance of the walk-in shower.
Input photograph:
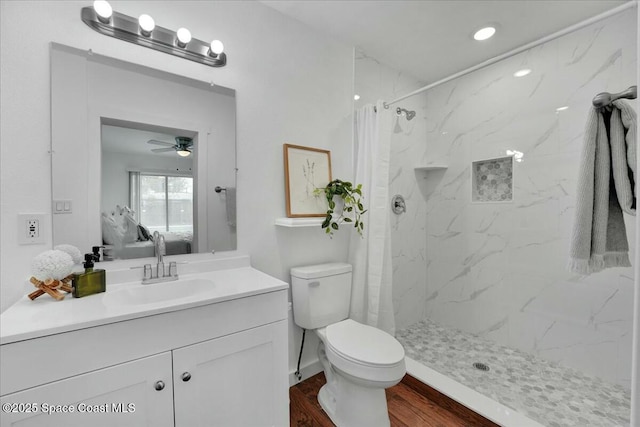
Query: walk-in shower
(480, 280)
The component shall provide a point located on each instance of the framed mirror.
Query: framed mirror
(137, 150)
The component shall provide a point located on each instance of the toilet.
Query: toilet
(359, 361)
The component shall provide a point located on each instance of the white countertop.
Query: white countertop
(229, 278)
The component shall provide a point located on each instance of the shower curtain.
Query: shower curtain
(370, 255)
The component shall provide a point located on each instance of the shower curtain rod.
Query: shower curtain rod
(520, 49)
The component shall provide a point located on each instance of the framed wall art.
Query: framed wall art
(305, 169)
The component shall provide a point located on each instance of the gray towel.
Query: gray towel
(231, 206)
(605, 183)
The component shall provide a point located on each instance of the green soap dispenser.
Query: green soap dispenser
(91, 281)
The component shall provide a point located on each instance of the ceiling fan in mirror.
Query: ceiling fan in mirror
(182, 146)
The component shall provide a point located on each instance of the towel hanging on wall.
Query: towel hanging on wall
(606, 182)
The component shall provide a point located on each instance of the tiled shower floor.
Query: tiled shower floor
(552, 395)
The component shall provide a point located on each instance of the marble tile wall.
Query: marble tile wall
(377, 81)
(498, 269)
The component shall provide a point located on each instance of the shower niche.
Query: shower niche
(492, 180)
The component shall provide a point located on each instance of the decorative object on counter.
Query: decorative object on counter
(349, 208)
(306, 169)
(51, 272)
(91, 281)
(73, 252)
(144, 32)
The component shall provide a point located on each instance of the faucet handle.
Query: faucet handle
(173, 269)
(147, 272)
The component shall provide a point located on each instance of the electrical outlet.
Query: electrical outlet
(31, 229)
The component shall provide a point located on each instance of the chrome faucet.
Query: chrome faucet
(160, 274)
(159, 246)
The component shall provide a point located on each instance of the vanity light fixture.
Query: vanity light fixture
(103, 10)
(216, 48)
(144, 32)
(183, 37)
(147, 24)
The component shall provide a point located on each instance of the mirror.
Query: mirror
(137, 150)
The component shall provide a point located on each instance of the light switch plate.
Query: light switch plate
(62, 207)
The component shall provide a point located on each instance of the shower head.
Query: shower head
(409, 114)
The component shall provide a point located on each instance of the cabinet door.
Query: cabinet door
(122, 395)
(237, 380)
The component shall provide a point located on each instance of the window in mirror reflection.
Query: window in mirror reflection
(163, 202)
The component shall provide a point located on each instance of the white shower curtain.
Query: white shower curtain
(370, 255)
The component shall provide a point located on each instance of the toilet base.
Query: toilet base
(351, 405)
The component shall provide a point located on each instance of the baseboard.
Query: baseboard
(306, 371)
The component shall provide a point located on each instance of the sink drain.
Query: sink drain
(481, 366)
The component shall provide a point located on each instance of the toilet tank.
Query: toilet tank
(321, 294)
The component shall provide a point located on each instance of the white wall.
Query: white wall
(293, 86)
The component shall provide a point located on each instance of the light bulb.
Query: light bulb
(484, 33)
(184, 37)
(147, 24)
(103, 10)
(522, 73)
(183, 153)
(216, 47)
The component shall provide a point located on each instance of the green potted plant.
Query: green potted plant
(345, 205)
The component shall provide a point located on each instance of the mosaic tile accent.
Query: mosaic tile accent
(492, 180)
(553, 395)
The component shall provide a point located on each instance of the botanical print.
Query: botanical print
(306, 169)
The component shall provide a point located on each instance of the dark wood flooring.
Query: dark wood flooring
(411, 404)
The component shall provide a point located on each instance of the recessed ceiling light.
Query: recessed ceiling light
(566, 107)
(356, 97)
(484, 33)
(522, 73)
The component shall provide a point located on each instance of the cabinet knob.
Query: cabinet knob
(159, 385)
(186, 376)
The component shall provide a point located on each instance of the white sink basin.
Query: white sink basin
(158, 292)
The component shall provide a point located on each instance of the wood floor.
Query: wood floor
(411, 404)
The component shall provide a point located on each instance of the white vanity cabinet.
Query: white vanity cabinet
(231, 381)
(221, 364)
(136, 393)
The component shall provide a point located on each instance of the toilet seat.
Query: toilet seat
(364, 344)
(364, 352)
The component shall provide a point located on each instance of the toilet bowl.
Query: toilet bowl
(359, 361)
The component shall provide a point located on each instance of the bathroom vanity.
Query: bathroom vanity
(208, 349)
